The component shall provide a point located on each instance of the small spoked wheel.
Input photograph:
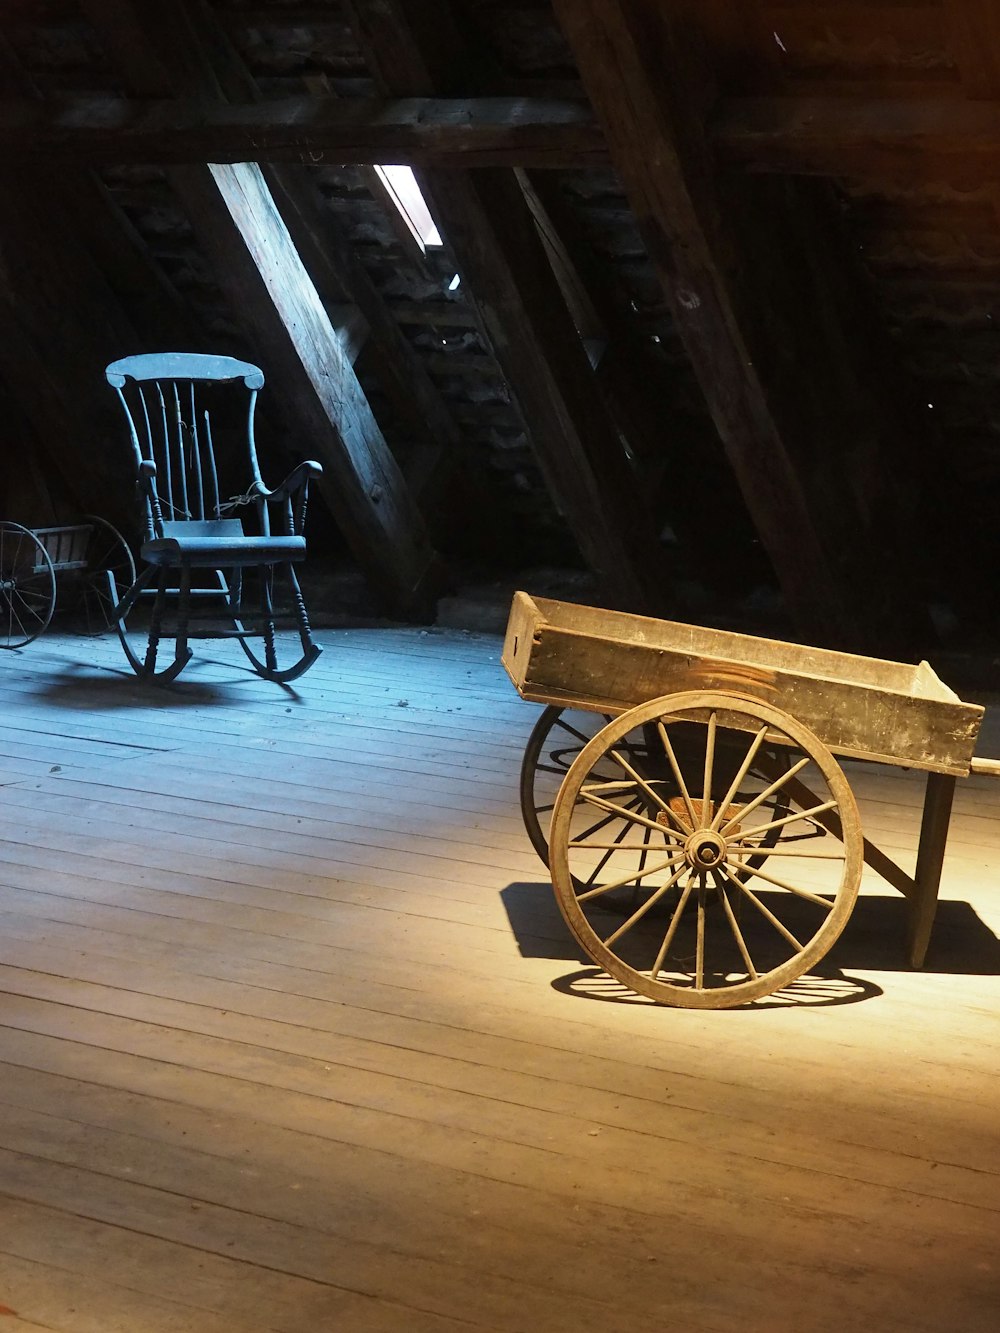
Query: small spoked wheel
(109, 574)
(736, 858)
(27, 586)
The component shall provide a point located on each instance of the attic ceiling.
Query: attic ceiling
(729, 275)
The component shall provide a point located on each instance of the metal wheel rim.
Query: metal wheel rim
(567, 887)
(41, 603)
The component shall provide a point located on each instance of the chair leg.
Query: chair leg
(267, 616)
(155, 625)
(270, 667)
(122, 609)
(182, 653)
(301, 614)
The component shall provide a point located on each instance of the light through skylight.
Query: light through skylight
(402, 188)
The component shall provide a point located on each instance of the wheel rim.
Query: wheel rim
(556, 740)
(109, 575)
(736, 883)
(27, 586)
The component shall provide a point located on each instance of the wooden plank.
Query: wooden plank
(860, 707)
(419, 131)
(249, 1086)
(57, 1294)
(365, 490)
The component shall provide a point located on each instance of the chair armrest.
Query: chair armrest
(296, 481)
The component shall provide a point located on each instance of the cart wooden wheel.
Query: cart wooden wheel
(555, 741)
(736, 889)
(27, 586)
(109, 574)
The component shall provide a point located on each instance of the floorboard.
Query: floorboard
(292, 1036)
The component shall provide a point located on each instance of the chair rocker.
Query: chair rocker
(198, 561)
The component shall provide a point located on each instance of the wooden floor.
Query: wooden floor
(292, 1038)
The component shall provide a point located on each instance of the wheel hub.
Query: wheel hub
(705, 849)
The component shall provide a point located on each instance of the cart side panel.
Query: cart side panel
(522, 623)
(555, 665)
(747, 649)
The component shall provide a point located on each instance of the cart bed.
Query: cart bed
(861, 707)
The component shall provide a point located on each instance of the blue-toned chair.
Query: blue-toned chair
(216, 561)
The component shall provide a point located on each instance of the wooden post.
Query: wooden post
(940, 793)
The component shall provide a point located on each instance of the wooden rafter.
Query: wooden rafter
(817, 136)
(256, 263)
(410, 47)
(749, 299)
(340, 277)
(474, 132)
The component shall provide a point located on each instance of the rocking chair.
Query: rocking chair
(197, 558)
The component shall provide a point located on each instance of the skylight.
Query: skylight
(401, 187)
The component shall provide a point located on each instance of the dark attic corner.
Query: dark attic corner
(720, 391)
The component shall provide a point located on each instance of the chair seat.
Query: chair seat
(204, 551)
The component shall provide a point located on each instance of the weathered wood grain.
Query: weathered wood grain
(251, 1079)
(861, 707)
(420, 131)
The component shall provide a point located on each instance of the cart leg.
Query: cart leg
(930, 858)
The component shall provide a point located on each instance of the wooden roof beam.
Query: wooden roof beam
(419, 131)
(411, 48)
(192, 31)
(750, 301)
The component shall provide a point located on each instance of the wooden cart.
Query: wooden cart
(705, 845)
(92, 553)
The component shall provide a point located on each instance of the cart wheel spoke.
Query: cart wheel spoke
(668, 750)
(641, 782)
(760, 829)
(734, 925)
(737, 781)
(668, 864)
(650, 902)
(671, 931)
(706, 800)
(579, 839)
(789, 887)
(555, 742)
(765, 911)
(570, 730)
(709, 923)
(633, 816)
(609, 851)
